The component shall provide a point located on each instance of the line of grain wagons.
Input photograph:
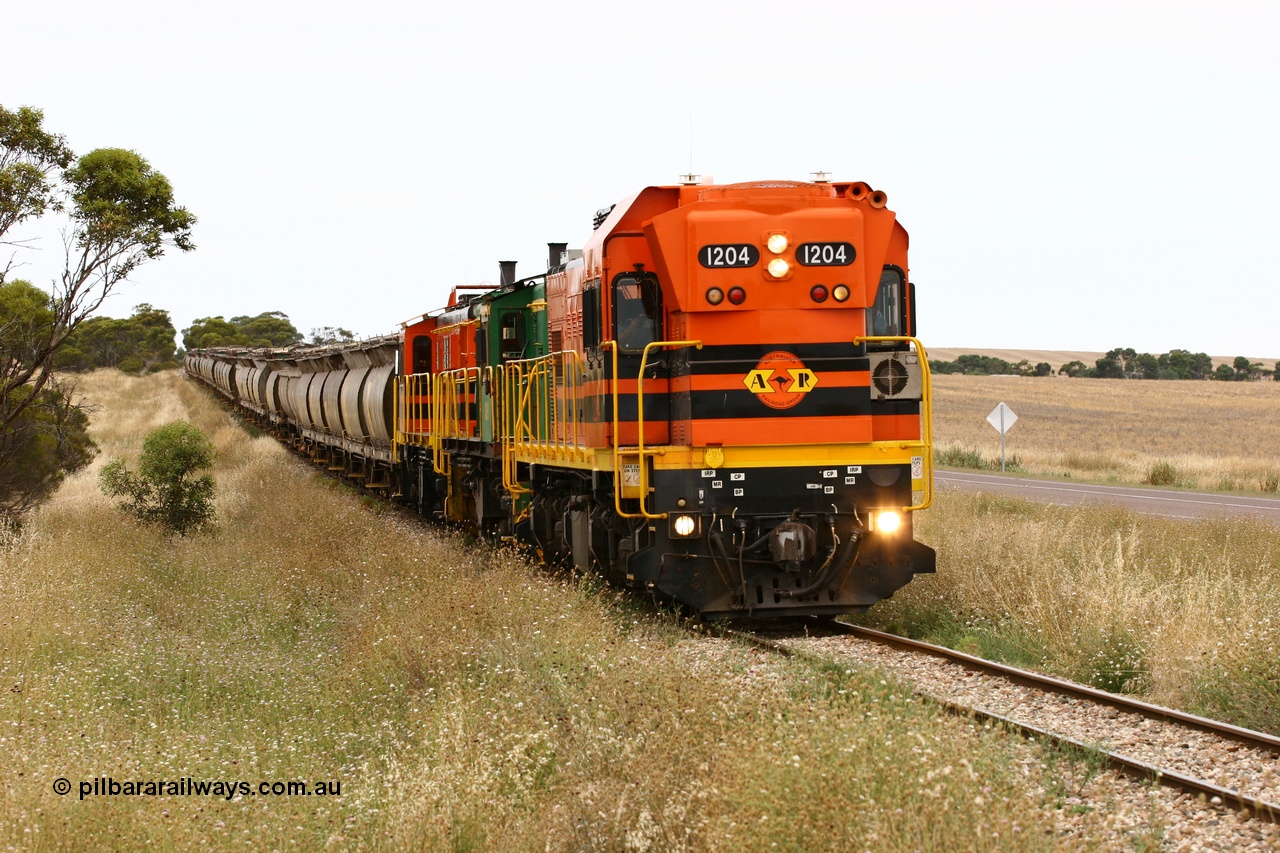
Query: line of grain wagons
(335, 402)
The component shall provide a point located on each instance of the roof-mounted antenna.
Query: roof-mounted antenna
(821, 177)
(689, 179)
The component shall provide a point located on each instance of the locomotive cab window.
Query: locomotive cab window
(637, 310)
(884, 317)
(422, 354)
(591, 315)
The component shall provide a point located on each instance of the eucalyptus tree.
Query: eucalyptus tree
(120, 214)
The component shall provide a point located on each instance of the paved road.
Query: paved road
(1151, 501)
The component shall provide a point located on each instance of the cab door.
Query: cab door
(638, 321)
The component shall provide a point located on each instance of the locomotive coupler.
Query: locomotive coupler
(792, 543)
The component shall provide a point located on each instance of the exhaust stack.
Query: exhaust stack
(555, 255)
(506, 273)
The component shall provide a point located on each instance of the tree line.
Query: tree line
(268, 329)
(146, 341)
(1119, 363)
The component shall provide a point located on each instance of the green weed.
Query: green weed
(956, 456)
(1116, 661)
(1163, 473)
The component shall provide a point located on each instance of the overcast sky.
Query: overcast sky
(1078, 175)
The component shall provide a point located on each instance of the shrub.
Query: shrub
(131, 364)
(958, 456)
(1162, 473)
(1012, 464)
(40, 446)
(168, 489)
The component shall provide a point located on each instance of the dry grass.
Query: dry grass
(1183, 612)
(463, 700)
(1210, 435)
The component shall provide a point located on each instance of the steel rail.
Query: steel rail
(1248, 737)
(1258, 808)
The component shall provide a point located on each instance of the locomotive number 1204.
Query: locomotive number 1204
(825, 254)
(729, 255)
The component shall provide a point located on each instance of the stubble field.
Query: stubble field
(1196, 434)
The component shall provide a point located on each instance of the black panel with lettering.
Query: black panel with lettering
(721, 255)
(825, 254)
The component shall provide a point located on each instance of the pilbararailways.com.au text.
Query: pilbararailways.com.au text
(106, 786)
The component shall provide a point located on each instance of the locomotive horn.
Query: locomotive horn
(506, 273)
(878, 199)
(857, 190)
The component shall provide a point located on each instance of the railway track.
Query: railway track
(1227, 765)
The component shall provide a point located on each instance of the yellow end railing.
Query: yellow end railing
(413, 406)
(539, 413)
(453, 393)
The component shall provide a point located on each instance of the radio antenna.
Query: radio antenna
(690, 142)
(689, 178)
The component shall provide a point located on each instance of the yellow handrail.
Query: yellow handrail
(437, 418)
(395, 420)
(409, 407)
(926, 413)
(640, 450)
(533, 418)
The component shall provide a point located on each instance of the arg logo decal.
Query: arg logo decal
(780, 380)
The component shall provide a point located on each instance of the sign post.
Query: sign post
(1001, 417)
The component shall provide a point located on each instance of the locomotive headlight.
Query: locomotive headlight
(715, 296)
(684, 526)
(778, 268)
(887, 521)
(777, 243)
(840, 293)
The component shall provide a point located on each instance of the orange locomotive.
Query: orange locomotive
(720, 399)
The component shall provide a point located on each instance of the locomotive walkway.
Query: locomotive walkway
(1171, 504)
